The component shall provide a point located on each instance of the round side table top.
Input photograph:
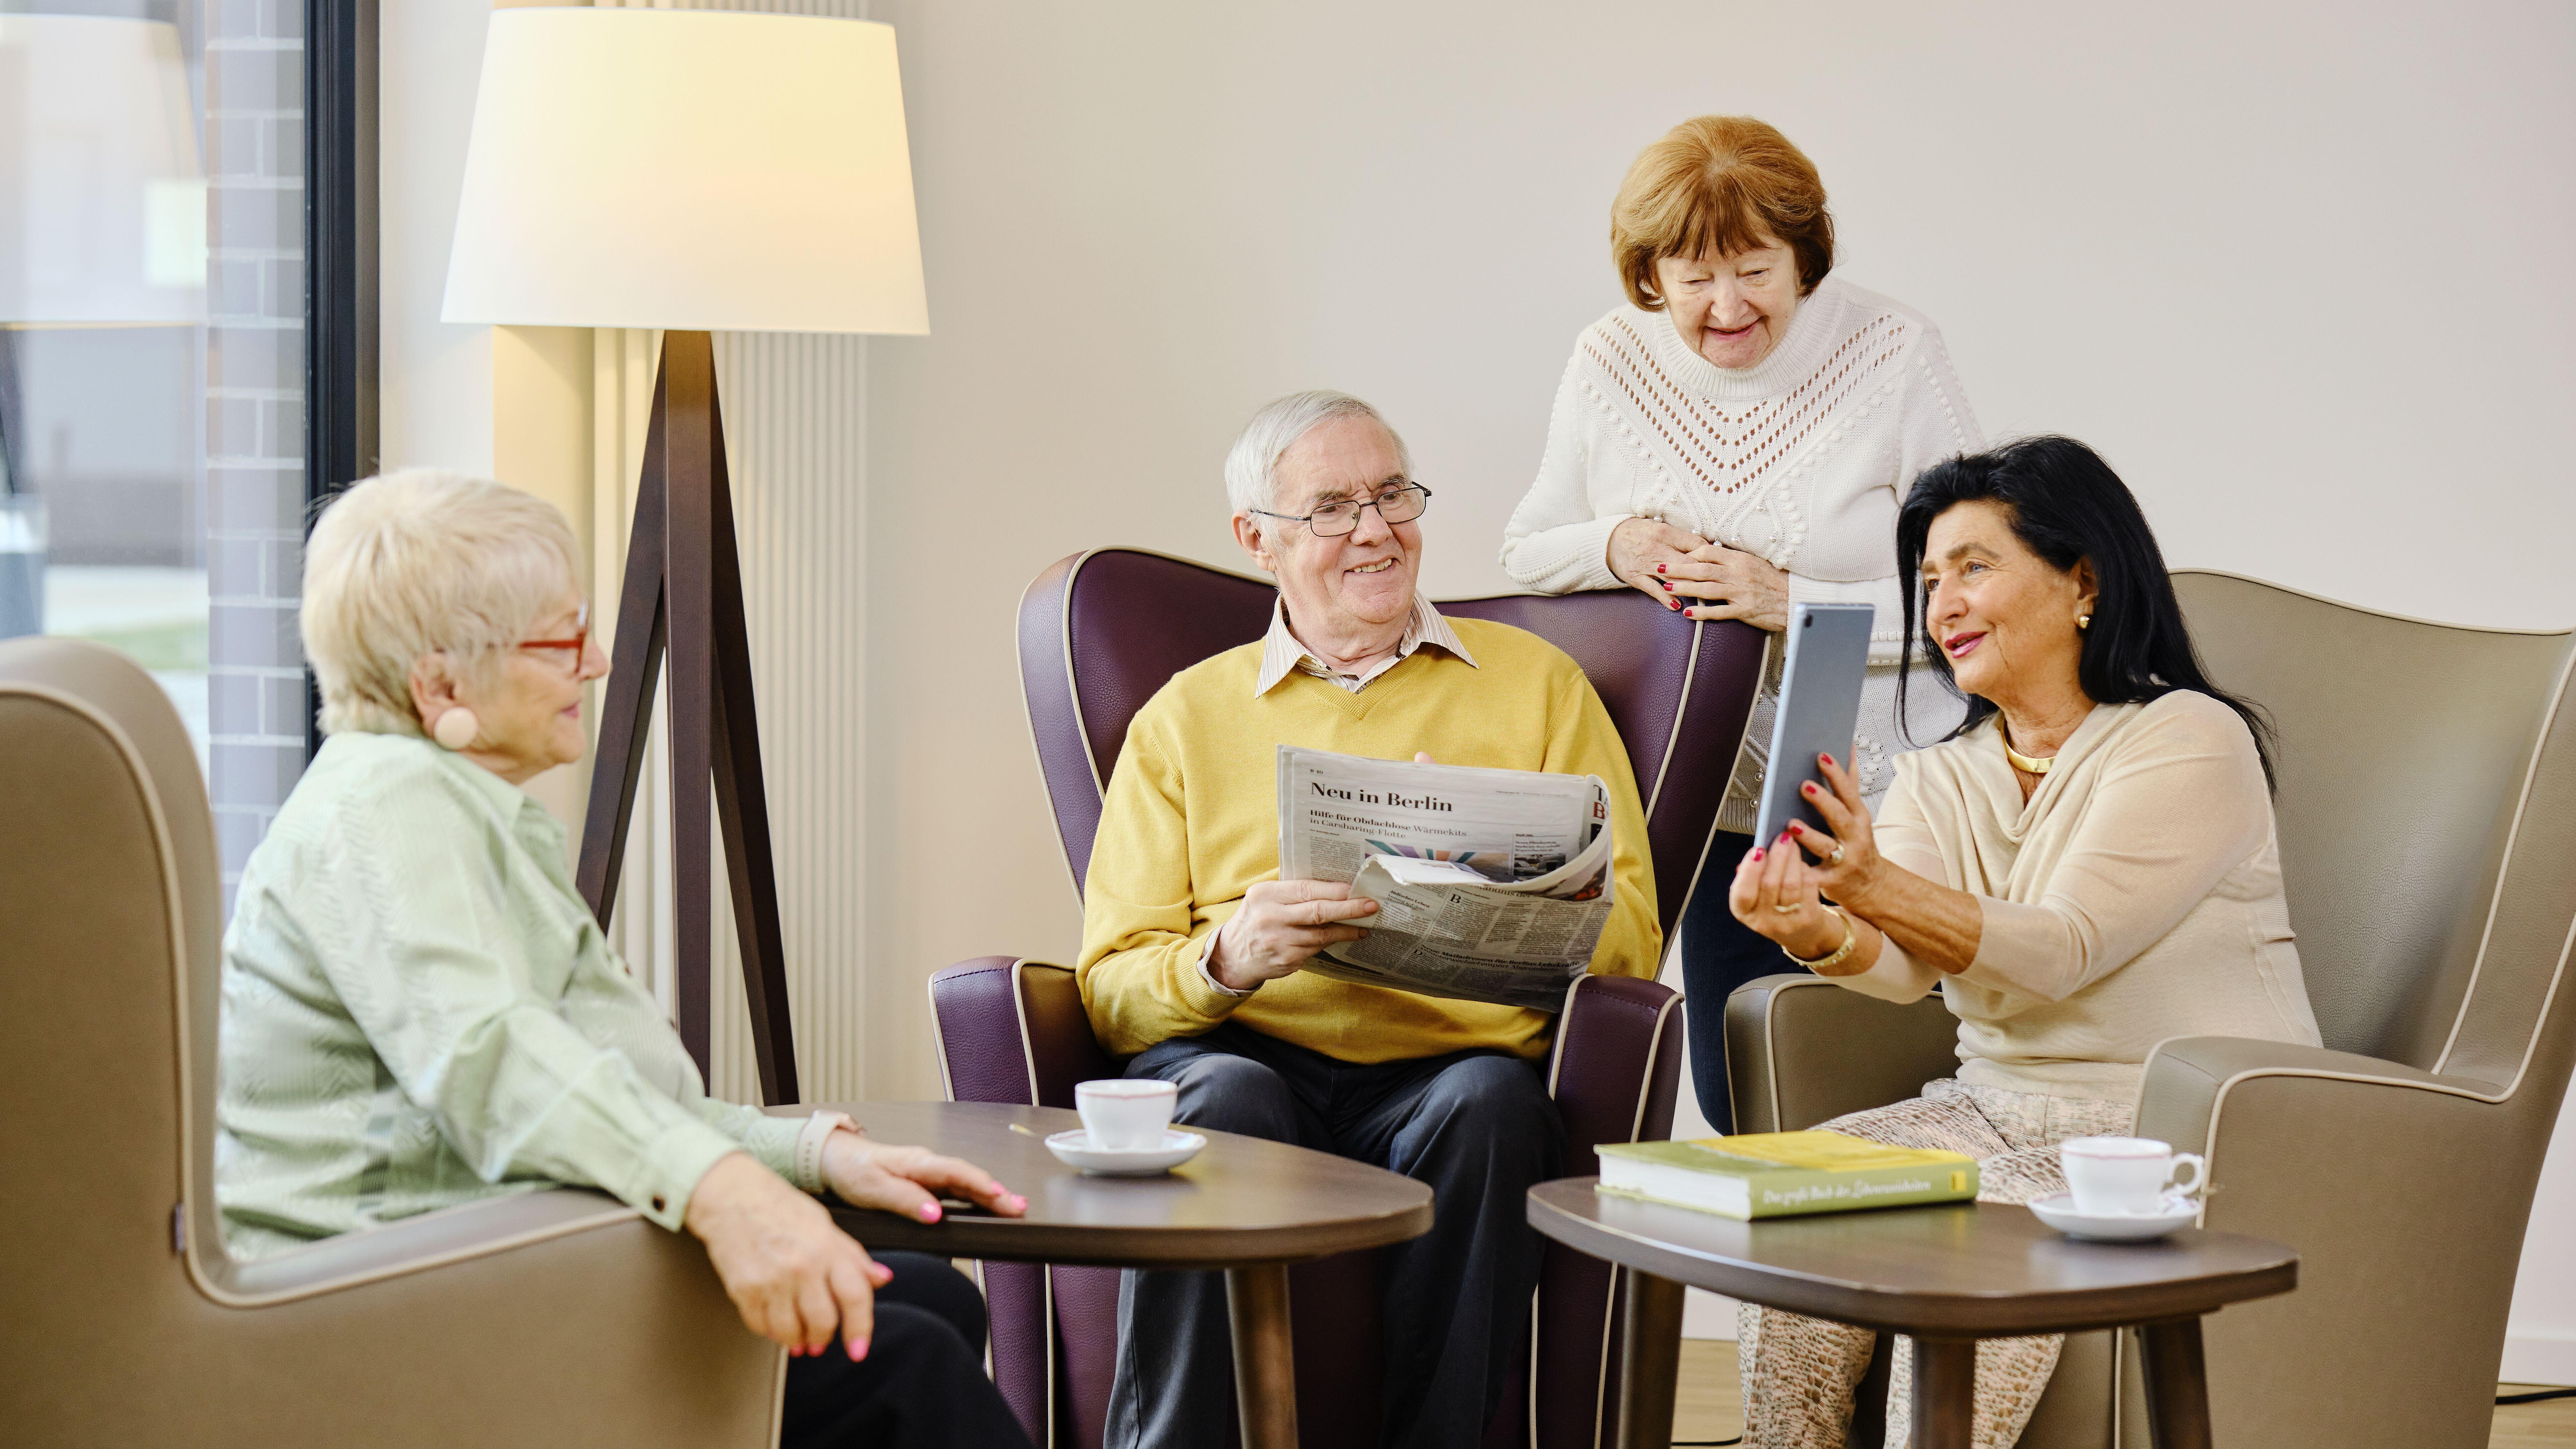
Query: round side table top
(1241, 1201)
(1958, 1270)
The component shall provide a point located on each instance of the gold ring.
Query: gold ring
(1836, 858)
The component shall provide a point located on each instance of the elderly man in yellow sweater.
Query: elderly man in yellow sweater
(1193, 948)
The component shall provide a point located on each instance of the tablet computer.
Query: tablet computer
(1819, 709)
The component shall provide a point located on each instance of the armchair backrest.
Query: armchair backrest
(1101, 631)
(2427, 816)
(109, 911)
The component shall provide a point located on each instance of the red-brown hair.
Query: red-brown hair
(1714, 186)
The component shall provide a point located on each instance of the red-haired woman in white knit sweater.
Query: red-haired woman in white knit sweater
(1735, 439)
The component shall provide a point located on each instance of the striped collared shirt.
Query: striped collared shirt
(1281, 652)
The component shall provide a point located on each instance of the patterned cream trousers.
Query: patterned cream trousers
(1800, 1373)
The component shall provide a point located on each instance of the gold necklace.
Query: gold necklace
(2020, 761)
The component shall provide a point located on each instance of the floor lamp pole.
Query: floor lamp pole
(683, 597)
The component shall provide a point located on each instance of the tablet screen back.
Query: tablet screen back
(1820, 683)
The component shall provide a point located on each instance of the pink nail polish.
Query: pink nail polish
(858, 1349)
(930, 1212)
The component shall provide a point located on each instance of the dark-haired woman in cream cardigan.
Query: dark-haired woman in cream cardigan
(2087, 867)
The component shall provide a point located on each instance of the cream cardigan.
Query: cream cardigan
(2135, 898)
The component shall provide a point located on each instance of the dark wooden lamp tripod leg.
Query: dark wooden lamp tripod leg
(683, 597)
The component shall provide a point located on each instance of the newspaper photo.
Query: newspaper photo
(1492, 885)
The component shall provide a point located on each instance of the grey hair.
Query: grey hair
(419, 562)
(1252, 466)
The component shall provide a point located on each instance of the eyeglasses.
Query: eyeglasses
(1334, 519)
(577, 646)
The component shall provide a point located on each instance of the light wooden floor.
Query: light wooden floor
(1709, 1407)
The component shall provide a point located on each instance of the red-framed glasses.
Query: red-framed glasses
(576, 645)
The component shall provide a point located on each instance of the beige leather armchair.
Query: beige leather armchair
(2427, 813)
(555, 1318)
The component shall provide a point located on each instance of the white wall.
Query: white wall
(437, 391)
(2298, 270)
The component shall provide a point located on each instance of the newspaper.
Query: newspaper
(1492, 885)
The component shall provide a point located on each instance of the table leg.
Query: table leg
(1945, 1392)
(1650, 1354)
(2177, 1385)
(1265, 1366)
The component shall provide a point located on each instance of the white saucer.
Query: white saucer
(2059, 1213)
(1074, 1149)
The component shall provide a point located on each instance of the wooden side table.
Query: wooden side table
(1244, 1204)
(1947, 1276)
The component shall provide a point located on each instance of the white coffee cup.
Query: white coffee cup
(2127, 1175)
(1123, 1114)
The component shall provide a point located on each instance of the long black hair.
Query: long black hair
(2068, 507)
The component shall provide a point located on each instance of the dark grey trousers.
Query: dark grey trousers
(1477, 1127)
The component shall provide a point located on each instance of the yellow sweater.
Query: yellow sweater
(1192, 821)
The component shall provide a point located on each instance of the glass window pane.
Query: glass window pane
(152, 432)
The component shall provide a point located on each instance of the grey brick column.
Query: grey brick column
(254, 414)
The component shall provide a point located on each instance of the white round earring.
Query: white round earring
(456, 728)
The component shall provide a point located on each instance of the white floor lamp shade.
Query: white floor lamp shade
(685, 169)
(102, 199)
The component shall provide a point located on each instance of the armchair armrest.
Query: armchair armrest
(2186, 1078)
(552, 1317)
(1014, 1030)
(1615, 1066)
(1801, 1050)
(2406, 1194)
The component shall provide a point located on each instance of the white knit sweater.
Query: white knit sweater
(1801, 459)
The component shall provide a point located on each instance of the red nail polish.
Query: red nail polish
(1659, 568)
(1828, 759)
(1757, 853)
(1672, 603)
(1665, 584)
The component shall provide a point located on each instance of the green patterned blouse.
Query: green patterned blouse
(419, 1011)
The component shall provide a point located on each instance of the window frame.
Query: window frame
(342, 287)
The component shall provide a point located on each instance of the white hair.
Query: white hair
(418, 562)
(1252, 466)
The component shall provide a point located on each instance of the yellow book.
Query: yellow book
(1784, 1174)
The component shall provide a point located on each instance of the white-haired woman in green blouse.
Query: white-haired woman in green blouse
(419, 1011)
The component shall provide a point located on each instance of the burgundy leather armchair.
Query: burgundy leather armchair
(1099, 633)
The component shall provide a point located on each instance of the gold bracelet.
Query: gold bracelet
(1851, 939)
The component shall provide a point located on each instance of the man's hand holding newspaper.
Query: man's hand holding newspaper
(1283, 923)
(1488, 885)
(1279, 928)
